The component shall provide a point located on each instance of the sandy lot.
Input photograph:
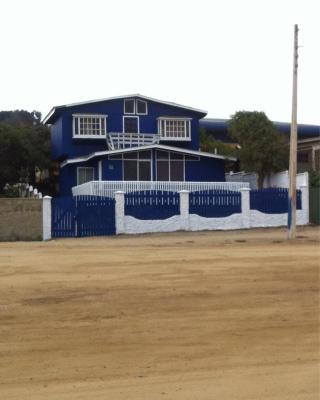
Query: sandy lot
(198, 316)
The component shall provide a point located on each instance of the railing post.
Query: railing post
(245, 207)
(119, 210)
(305, 203)
(46, 218)
(184, 209)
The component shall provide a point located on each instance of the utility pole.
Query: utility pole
(292, 201)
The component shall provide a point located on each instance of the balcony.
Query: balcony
(120, 140)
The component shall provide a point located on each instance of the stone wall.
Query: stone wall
(20, 219)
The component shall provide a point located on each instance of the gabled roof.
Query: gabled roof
(152, 146)
(49, 117)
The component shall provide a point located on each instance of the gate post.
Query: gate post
(46, 218)
(245, 207)
(119, 210)
(184, 210)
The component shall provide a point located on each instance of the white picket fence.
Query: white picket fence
(107, 188)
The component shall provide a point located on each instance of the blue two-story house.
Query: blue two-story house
(130, 138)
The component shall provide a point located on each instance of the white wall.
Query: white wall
(192, 222)
(281, 180)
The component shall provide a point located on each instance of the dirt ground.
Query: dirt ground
(201, 316)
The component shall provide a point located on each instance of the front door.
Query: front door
(130, 124)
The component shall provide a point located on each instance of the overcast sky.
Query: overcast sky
(220, 56)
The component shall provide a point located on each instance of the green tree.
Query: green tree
(209, 144)
(24, 146)
(262, 148)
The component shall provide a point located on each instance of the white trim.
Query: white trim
(163, 133)
(130, 116)
(98, 116)
(175, 118)
(142, 101)
(124, 106)
(137, 95)
(152, 146)
(183, 160)
(100, 170)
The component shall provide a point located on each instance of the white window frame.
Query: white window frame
(183, 160)
(86, 168)
(163, 135)
(78, 116)
(138, 159)
(134, 107)
(130, 116)
(142, 101)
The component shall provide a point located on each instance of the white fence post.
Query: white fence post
(305, 203)
(46, 218)
(245, 207)
(120, 225)
(184, 210)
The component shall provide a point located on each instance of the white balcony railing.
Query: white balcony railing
(107, 188)
(119, 140)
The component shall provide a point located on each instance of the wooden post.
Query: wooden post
(292, 201)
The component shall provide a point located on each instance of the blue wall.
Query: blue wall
(64, 146)
(204, 170)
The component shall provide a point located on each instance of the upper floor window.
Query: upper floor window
(174, 128)
(89, 126)
(135, 106)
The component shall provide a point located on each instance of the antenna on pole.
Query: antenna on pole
(292, 201)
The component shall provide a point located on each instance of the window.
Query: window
(130, 124)
(170, 166)
(135, 106)
(137, 166)
(141, 107)
(89, 126)
(303, 157)
(85, 174)
(129, 106)
(174, 128)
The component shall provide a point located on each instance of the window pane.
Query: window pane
(141, 107)
(130, 125)
(144, 171)
(162, 170)
(130, 170)
(176, 171)
(145, 155)
(130, 156)
(176, 156)
(129, 106)
(162, 155)
(85, 174)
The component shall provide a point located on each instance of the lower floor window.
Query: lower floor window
(136, 170)
(170, 166)
(85, 174)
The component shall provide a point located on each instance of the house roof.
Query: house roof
(152, 146)
(49, 118)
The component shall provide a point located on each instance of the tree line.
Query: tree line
(24, 149)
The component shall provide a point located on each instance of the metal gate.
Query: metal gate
(83, 216)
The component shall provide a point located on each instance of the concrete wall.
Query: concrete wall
(192, 222)
(20, 219)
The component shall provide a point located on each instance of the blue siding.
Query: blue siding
(67, 147)
(205, 170)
